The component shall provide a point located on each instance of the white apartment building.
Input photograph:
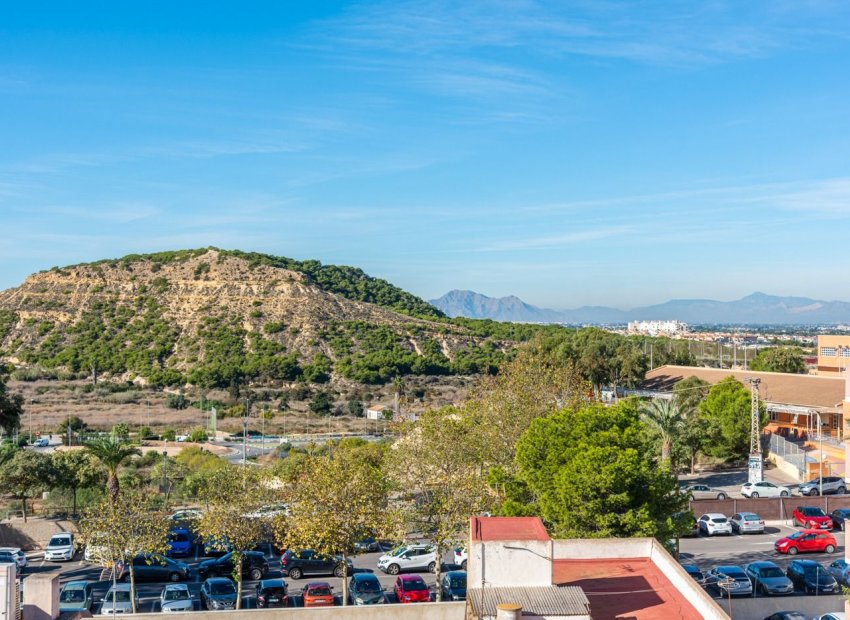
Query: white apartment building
(658, 328)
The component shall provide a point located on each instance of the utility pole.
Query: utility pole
(245, 431)
(756, 465)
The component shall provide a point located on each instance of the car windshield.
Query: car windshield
(222, 587)
(751, 517)
(320, 591)
(796, 535)
(813, 512)
(177, 595)
(59, 541)
(72, 596)
(771, 571)
(121, 596)
(458, 582)
(416, 584)
(371, 585)
(398, 551)
(718, 520)
(275, 591)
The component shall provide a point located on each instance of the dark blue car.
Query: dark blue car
(453, 586)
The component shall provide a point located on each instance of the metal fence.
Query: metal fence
(789, 452)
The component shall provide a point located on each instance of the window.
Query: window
(827, 351)
(844, 352)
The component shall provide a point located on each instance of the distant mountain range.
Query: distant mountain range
(757, 308)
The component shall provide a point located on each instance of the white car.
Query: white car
(189, 514)
(714, 523)
(20, 558)
(409, 558)
(176, 597)
(461, 557)
(60, 547)
(764, 489)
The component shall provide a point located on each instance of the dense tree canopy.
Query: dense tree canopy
(11, 405)
(591, 473)
(779, 359)
(726, 414)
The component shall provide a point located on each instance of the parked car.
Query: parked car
(180, 542)
(60, 548)
(272, 593)
(215, 548)
(7, 558)
(453, 585)
(764, 489)
(461, 557)
(694, 571)
(41, 443)
(218, 593)
(702, 491)
(19, 557)
(317, 594)
(714, 523)
(269, 550)
(296, 564)
(372, 545)
(805, 541)
(787, 615)
(747, 523)
(409, 558)
(176, 597)
(689, 523)
(411, 589)
(835, 615)
(76, 596)
(254, 566)
(118, 601)
(189, 514)
(831, 484)
(839, 516)
(840, 569)
(812, 517)
(365, 589)
(768, 578)
(811, 577)
(730, 581)
(154, 567)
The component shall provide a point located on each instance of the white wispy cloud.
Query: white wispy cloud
(541, 242)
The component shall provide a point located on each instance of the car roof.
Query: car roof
(317, 584)
(410, 578)
(712, 515)
(218, 580)
(763, 564)
(748, 514)
(805, 562)
(176, 586)
(272, 583)
(364, 577)
(729, 568)
(11, 549)
(119, 587)
(455, 573)
(73, 585)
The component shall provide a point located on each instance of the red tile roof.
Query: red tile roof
(631, 588)
(508, 528)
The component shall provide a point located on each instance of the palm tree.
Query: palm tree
(111, 452)
(666, 417)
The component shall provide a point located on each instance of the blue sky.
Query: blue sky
(571, 153)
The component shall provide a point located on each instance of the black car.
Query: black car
(254, 566)
(272, 593)
(308, 562)
(811, 577)
(153, 567)
(839, 516)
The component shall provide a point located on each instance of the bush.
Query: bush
(321, 404)
(177, 401)
(169, 434)
(198, 435)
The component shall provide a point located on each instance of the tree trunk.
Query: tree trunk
(345, 579)
(665, 450)
(24, 505)
(74, 510)
(112, 486)
(133, 586)
(438, 571)
(239, 582)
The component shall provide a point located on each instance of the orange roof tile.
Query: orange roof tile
(631, 588)
(508, 528)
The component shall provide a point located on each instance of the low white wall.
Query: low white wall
(503, 563)
(413, 611)
(696, 595)
(784, 466)
(601, 548)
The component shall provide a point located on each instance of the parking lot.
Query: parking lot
(149, 592)
(739, 550)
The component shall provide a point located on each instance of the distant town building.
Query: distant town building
(658, 328)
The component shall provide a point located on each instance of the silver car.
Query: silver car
(176, 597)
(840, 569)
(747, 523)
(118, 601)
(831, 484)
(702, 491)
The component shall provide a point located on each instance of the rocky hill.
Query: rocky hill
(214, 318)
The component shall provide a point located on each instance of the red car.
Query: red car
(411, 589)
(806, 540)
(317, 594)
(812, 517)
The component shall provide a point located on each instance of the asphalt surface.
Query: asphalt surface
(149, 593)
(741, 550)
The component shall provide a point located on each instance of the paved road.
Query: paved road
(741, 550)
(149, 592)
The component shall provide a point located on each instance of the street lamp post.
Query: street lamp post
(820, 458)
(32, 403)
